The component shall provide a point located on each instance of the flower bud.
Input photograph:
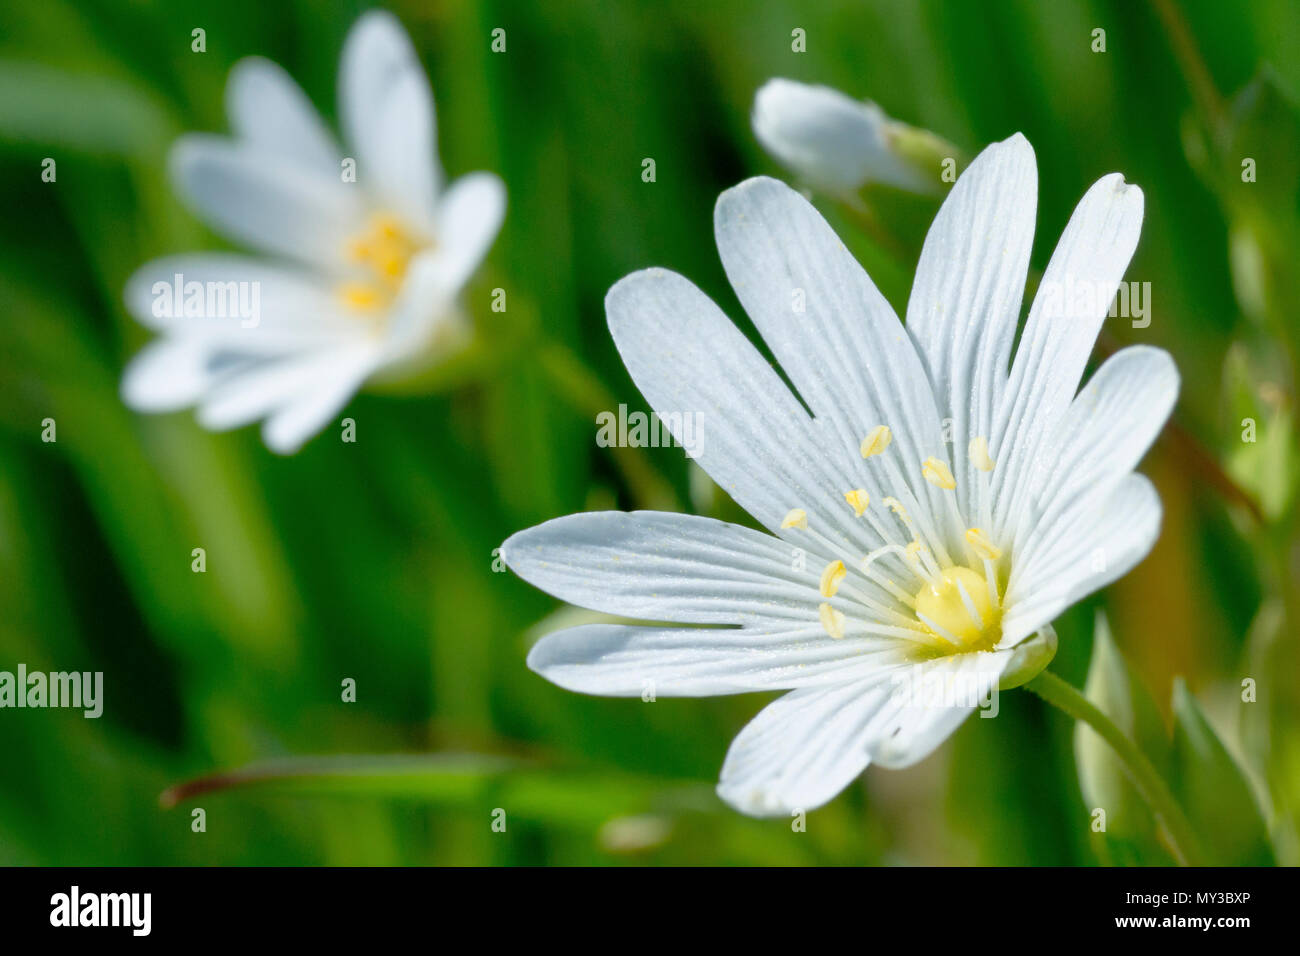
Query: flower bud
(838, 145)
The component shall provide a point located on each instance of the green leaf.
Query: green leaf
(41, 105)
(435, 777)
(581, 800)
(1214, 790)
(1131, 834)
(1262, 456)
(1252, 164)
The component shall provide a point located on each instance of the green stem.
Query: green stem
(1148, 782)
(1193, 65)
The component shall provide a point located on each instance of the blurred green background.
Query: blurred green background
(374, 560)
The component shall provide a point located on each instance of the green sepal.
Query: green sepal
(1214, 791)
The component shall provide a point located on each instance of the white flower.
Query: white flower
(903, 576)
(837, 144)
(362, 273)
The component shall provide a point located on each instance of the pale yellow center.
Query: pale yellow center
(382, 252)
(958, 602)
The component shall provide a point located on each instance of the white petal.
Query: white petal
(469, 217)
(746, 430)
(266, 201)
(615, 660)
(965, 302)
(1083, 549)
(845, 351)
(803, 749)
(833, 142)
(1111, 424)
(269, 309)
(169, 374)
(1068, 310)
(930, 701)
(386, 109)
(256, 391)
(269, 110)
(665, 567)
(428, 298)
(261, 389)
(287, 429)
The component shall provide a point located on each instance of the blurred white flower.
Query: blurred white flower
(838, 145)
(365, 251)
(930, 505)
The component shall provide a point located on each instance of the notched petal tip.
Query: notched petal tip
(1121, 190)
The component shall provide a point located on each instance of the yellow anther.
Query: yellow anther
(858, 499)
(360, 295)
(981, 545)
(938, 473)
(896, 506)
(388, 227)
(796, 518)
(832, 575)
(383, 250)
(877, 441)
(832, 620)
(979, 453)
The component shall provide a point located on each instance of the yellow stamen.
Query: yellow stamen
(382, 252)
(832, 620)
(832, 575)
(393, 266)
(938, 473)
(796, 518)
(388, 226)
(982, 546)
(360, 295)
(979, 453)
(877, 441)
(858, 499)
